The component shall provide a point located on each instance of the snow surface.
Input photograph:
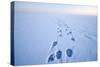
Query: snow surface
(34, 34)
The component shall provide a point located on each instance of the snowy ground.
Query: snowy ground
(34, 34)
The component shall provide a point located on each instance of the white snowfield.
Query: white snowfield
(85, 45)
(38, 25)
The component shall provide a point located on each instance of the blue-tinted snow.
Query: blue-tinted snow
(34, 34)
